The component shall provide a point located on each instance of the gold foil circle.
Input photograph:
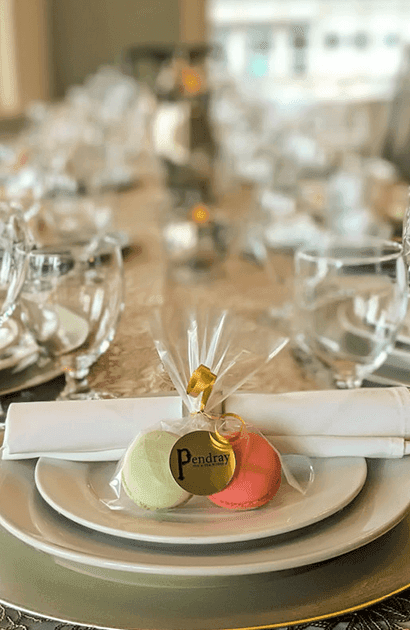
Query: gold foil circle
(202, 463)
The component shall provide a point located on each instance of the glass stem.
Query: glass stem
(76, 381)
(347, 381)
(346, 375)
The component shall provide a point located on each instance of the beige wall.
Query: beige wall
(192, 21)
(24, 55)
(88, 33)
(48, 45)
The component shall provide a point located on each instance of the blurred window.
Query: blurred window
(260, 43)
(220, 38)
(361, 40)
(299, 43)
(318, 46)
(332, 40)
(391, 40)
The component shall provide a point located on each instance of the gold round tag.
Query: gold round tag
(202, 462)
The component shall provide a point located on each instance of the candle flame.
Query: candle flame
(200, 214)
(191, 80)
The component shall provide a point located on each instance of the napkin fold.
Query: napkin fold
(331, 423)
(87, 430)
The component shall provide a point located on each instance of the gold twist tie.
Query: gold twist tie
(201, 381)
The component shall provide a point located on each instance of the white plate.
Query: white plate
(380, 505)
(76, 489)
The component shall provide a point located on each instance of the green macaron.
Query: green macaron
(146, 475)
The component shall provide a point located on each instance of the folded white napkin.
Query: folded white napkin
(90, 430)
(363, 422)
(332, 423)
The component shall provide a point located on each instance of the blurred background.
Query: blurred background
(210, 138)
(48, 45)
(289, 52)
(289, 49)
(329, 47)
(313, 49)
(296, 90)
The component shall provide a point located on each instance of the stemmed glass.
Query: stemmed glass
(406, 232)
(72, 300)
(14, 245)
(350, 301)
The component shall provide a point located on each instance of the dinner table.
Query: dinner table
(368, 587)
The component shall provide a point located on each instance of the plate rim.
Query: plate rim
(243, 566)
(349, 496)
(283, 624)
(379, 592)
(290, 623)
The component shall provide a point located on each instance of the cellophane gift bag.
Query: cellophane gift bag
(205, 460)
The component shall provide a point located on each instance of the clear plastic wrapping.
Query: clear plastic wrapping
(205, 458)
(231, 347)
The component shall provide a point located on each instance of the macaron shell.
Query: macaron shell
(146, 476)
(257, 475)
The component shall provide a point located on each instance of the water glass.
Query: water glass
(12, 270)
(13, 267)
(406, 232)
(71, 217)
(72, 299)
(350, 301)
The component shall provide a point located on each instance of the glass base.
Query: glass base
(347, 381)
(91, 394)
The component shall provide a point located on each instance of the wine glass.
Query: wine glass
(350, 301)
(72, 299)
(13, 266)
(406, 232)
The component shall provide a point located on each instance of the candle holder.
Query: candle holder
(196, 243)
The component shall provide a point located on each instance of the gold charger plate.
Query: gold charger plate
(32, 582)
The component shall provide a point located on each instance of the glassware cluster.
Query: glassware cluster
(311, 173)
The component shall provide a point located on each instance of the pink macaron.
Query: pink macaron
(257, 475)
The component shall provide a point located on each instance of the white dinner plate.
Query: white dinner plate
(78, 490)
(382, 503)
